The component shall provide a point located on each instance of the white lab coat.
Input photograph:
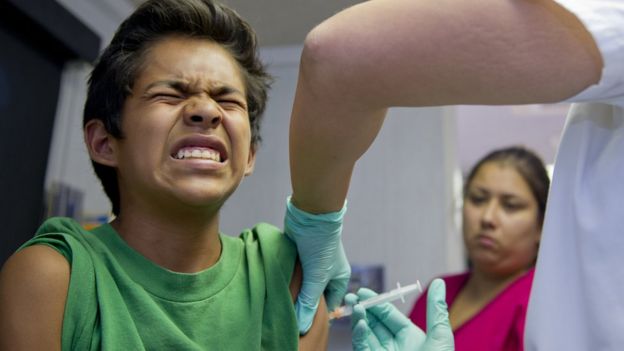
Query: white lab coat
(577, 299)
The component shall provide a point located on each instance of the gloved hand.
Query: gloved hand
(323, 260)
(383, 327)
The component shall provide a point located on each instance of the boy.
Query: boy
(171, 124)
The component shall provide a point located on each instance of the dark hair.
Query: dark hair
(117, 68)
(527, 164)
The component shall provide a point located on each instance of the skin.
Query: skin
(501, 233)
(188, 88)
(33, 291)
(386, 53)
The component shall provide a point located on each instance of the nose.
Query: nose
(203, 112)
(489, 214)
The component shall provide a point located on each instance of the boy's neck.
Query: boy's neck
(185, 244)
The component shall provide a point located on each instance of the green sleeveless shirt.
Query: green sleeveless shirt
(119, 300)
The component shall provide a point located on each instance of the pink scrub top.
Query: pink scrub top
(499, 326)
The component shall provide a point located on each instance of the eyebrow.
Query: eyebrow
(505, 195)
(175, 84)
(185, 87)
(514, 197)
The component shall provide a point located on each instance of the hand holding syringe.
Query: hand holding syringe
(398, 293)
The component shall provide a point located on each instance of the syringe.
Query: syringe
(398, 293)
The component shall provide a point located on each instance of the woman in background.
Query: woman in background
(504, 202)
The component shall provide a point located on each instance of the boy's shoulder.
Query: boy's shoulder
(269, 243)
(60, 225)
(60, 233)
(268, 237)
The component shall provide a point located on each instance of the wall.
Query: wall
(68, 159)
(102, 16)
(481, 129)
(37, 38)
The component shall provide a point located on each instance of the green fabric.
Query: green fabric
(119, 300)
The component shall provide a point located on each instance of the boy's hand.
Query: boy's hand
(385, 328)
(323, 260)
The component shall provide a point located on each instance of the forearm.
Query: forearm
(326, 139)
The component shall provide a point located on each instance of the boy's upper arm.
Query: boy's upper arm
(317, 336)
(33, 291)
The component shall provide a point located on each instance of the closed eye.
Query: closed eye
(167, 97)
(232, 104)
(166, 91)
(513, 206)
(477, 199)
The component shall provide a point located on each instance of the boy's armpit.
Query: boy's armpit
(318, 335)
(33, 290)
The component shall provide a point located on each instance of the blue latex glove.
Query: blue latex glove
(323, 260)
(383, 327)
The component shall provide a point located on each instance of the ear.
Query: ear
(100, 144)
(251, 161)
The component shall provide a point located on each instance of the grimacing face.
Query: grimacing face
(186, 129)
(500, 221)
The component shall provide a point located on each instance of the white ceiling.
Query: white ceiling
(283, 22)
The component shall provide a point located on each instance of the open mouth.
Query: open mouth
(200, 147)
(200, 153)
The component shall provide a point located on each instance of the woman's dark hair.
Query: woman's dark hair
(527, 164)
(117, 68)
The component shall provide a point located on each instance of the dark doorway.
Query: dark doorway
(37, 37)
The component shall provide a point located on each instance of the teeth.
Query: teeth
(198, 153)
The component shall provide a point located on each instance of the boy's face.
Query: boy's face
(186, 128)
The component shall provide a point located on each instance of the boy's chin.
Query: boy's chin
(203, 198)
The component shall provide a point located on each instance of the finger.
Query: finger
(373, 339)
(381, 332)
(335, 291)
(391, 317)
(386, 313)
(365, 293)
(340, 274)
(358, 313)
(359, 337)
(351, 299)
(438, 325)
(384, 325)
(341, 268)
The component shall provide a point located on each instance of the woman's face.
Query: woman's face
(500, 221)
